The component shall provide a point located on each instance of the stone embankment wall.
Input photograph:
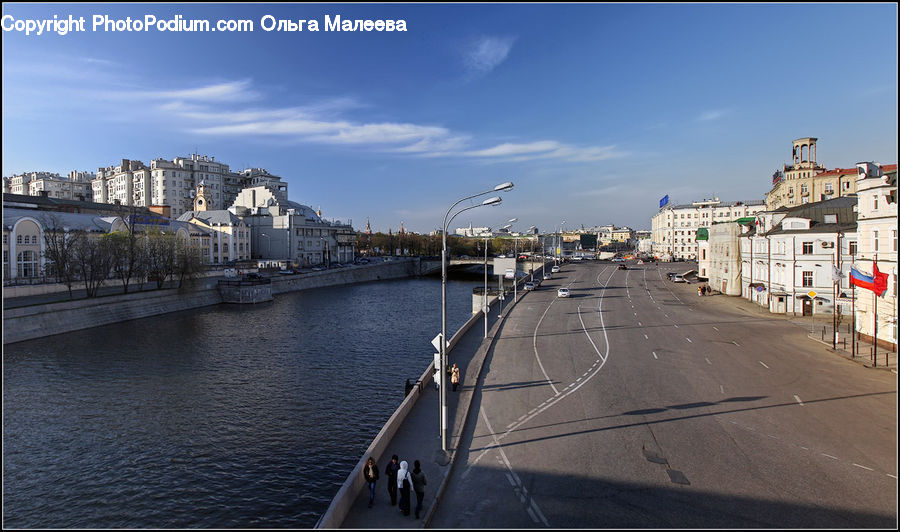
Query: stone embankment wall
(37, 321)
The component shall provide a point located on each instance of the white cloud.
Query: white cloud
(712, 114)
(484, 54)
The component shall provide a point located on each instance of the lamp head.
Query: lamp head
(496, 200)
(503, 186)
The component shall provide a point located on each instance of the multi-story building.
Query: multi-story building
(172, 184)
(473, 231)
(877, 230)
(674, 229)
(76, 187)
(20, 183)
(788, 256)
(230, 236)
(289, 231)
(806, 181)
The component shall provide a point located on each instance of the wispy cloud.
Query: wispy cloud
(712, 114)
(484, 54)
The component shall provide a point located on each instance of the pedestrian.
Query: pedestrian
(419, 481)
(404, 484)
(454, 377)
(391, 470)
(437, 379)
(370, 473)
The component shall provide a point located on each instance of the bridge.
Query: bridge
(433, 265)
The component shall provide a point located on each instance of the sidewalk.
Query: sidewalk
(419, 436)
(821, 329)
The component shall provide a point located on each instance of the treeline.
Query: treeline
(428, 245)
(78, 258)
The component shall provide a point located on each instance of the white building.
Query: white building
(288, 231)
(76, 187)
(674, 228)
(473, 231)
(877, 230)
(788, 258)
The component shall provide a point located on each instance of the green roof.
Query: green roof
(746, 220)
(702, 234)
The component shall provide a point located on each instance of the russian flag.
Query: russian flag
(876, 283)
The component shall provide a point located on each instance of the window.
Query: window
(875, 240)
(27, 264)
(804, 189)
(829, 188)
(807, 248)
(875, 202)
(807, 279)
(18, 239)
(853, 247)
(894, 239)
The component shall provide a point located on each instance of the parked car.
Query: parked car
(254, 275)
(562, 292)
(529, 286)
(623, 267)
(555, 269)
(678, 278)
(547, 276)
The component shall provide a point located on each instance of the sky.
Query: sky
(594, 111)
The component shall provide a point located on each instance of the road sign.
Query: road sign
(811, 294)
(437, 341)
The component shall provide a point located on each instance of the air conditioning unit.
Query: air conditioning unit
(827, 244)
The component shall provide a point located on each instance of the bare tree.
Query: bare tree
(59, 251)
(128, 256)
(189, 262)
(160, 256)
(93, 261)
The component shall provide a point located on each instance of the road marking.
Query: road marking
(708, 362)
(829, 456)
(721, 388)
(654, 355)
(676, 325)
(646, 337)
(798, 400)
(689, 340)
(534, 343)
(640, 324)
(764, 364)
(735, 343)
(716, 328)
(864, 467)
(890, 475)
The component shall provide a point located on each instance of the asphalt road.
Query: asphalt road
(635, 403)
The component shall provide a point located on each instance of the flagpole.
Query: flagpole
(834, 305)
(875, 306)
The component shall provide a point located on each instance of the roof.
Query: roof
(223, 217)
(70, 220)
(814, 227)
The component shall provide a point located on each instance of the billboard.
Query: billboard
(664, 201)
(588, 241)
(501, 265)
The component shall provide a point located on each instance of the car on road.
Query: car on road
(529, 286)
(562, 292)
(678, 278)
(623, 267)
(254, 275)
(547, 277)
(555, 269)
(618, 259)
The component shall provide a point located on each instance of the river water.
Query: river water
(220, 417)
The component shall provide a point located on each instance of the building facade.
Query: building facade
(806, 181)
(877, 229)
(674, 228)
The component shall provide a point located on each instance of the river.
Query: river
(221, 417)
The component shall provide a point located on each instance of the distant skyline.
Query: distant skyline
(594, 111)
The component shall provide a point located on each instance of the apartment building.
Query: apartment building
(806, 181)
(674, 229)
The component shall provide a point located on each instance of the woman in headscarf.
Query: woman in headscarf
(404, 483)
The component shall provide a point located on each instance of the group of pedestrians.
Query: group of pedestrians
(454, 377)
(703, 290)
(400, 481)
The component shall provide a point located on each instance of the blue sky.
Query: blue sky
(594, 111)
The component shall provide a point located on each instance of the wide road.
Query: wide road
(635, 403)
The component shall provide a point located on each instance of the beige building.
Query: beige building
(877, 233)
(806, 181)
(674, 228)
(229, 235)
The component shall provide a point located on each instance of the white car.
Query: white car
(678, 278)
(562, 292)
(529, 286)
(547, 277)
(555, 269)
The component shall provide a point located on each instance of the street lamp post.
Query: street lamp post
(268, 244)
(484, 297)
(443, 343)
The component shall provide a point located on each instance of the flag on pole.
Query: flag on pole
(876, 283)
(836, 274)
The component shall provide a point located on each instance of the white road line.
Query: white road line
(708, 362)
(735, 343)
(534, 343)
(829, 456)
(890, 475)
(864, 467)
(689, 340)
(654, 355)
(798, 400)
(764, 364)
(716, 328)
(721, 388)
(646, 337)
(640, 324)
(676, 325)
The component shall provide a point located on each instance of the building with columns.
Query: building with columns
(806, 181)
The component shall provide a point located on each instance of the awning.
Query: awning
(746, 220)
(757, 285)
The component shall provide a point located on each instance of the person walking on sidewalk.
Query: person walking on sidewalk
(418, 481)
(370, 473)
(391, 471)
(454, 377)
(404, 484)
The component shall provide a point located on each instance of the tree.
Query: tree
(160, 256)
(128, 255)
(59, 251)
(93, 261)
(189, 261)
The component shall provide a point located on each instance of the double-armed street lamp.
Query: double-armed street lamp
(484, 298)
(496, 200)
(559, 242)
